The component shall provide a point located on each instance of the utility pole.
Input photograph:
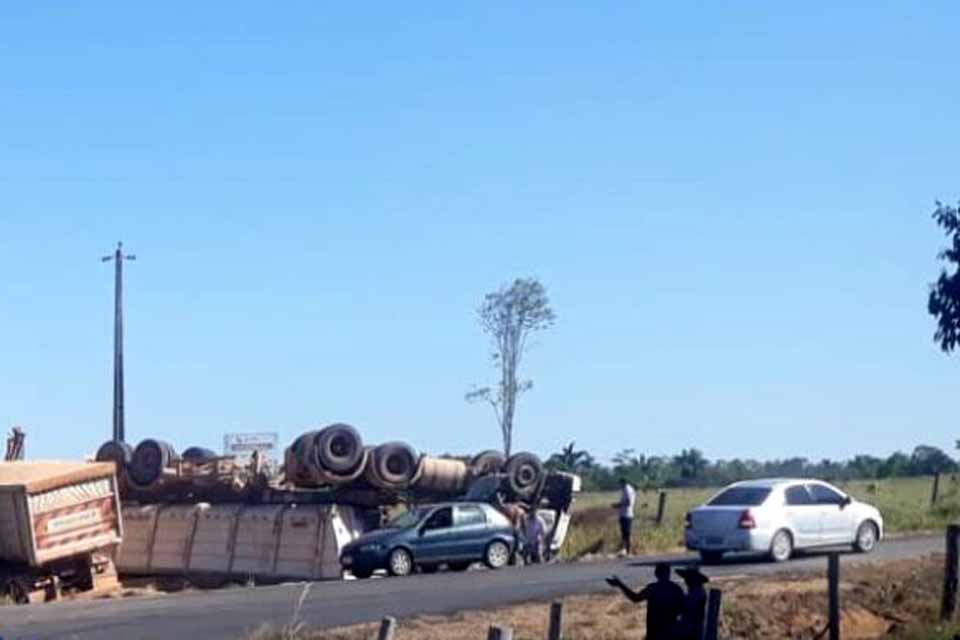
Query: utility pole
(118, 257)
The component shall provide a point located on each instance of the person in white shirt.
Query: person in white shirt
(534, 533)
(625, 508)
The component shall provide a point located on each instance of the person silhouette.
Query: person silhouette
(664, 600)
(694, 604)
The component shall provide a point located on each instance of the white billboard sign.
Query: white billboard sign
(242, 445)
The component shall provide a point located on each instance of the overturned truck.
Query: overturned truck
(60, 526)
(211, 519)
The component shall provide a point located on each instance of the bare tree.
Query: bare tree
(509, 315)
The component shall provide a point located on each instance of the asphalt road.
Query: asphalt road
(232, 613)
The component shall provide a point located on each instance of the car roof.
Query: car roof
(773, 483)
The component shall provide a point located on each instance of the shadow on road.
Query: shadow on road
(737, 559)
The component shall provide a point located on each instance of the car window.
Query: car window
(740, 497)
(406, 519)
(823, 494)
(440, 519)
(797, 495)
(466, 516)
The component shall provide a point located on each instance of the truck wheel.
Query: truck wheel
(17, 591)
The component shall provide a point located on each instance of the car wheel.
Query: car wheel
(866, 538)
(781, 547)
(400, 563)
(459, 566)
(362, 574)
(497, 555)
(428, 568)
(711, 557)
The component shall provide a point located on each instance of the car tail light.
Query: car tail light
(688, 520)
(746, 520)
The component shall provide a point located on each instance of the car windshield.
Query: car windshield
(740, 497)
(406, 519)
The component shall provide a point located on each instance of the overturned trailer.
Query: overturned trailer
(211, 519)
(60, 525)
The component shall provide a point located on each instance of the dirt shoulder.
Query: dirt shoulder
(879, 600)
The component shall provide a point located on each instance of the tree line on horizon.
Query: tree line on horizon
(690, 468)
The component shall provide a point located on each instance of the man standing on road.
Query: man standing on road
(534, 532)
(664, 602)
(625, 508)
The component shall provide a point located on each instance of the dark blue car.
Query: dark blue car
(455, 534)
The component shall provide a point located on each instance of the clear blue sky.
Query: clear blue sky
(728, 202)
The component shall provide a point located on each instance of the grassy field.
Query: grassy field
(904, 503)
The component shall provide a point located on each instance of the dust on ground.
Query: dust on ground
(878, 600)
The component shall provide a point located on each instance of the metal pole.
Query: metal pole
(119, 431)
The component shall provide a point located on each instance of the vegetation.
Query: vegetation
(944, 302)
(509, 316)
(690, 468)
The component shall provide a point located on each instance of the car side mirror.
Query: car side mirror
(847, 500)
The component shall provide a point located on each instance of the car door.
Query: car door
(471, 531)
(436, 537)
(836, 520)
(803, 515)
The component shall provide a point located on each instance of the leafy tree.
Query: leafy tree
(509, 316)
(569, 459)
(944, 302)
(690, 464)
(898, 464)
(927, 460)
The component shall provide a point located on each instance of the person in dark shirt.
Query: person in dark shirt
(694, 604)
(664, 602)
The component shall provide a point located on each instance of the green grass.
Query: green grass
(935, 633)
(904, 503)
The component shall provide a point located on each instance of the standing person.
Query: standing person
(694, 604)
(664, 602)
(625, 508)
(534, 534)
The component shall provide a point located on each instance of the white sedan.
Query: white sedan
(778, 516)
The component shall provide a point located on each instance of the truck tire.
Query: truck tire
(524, 473)
(116, 451)
(149, 460)
(487, 462)
(339, 449)
(198, 454)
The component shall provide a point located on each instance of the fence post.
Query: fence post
(712, 629)
(387, 627)
(556, 620)
(500, 633)
(949, 603)
(661, 507)
(935, 493)
(833, 580)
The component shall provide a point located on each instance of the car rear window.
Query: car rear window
(740, 497)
